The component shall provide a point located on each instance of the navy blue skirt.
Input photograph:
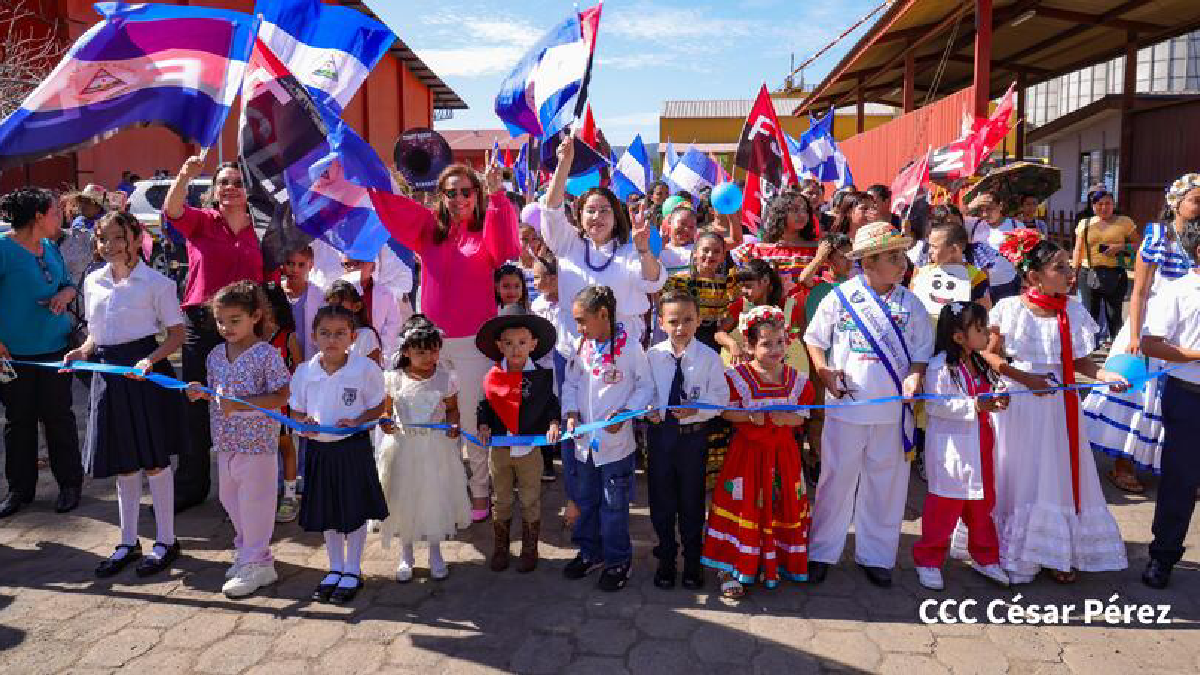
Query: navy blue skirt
(134, 424)
(341, 485)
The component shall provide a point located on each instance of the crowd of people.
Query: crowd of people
(552, 330)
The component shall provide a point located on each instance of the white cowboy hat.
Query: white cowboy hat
(877, 237)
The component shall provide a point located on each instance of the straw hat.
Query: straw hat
(93, 192)
(877, 237)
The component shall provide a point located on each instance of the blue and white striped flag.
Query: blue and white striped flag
(694, 170)
(816, 154)
(631, 174)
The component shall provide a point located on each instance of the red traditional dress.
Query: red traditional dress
(758, 523)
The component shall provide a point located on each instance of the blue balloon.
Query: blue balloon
(655, 241)
(727, 198)
(581, 184)
(1130, 367)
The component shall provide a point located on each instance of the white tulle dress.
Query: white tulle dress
(421, 470)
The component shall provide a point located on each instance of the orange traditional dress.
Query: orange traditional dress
(758, 523)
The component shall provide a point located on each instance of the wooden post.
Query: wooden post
(983, 57)
(910, 73)
(1128, 98)
(1020, 150)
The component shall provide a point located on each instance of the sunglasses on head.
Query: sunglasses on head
(454, 193)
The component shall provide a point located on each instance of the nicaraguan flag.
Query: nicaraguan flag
(694, 171)
(164, 65)
(631, 173)
(329, 49)
(817, 154)
(521, 169)
(538, 96)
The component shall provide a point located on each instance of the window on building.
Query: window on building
(1098, 167)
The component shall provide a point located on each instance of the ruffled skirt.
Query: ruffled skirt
(426, 487)
(1128, 425)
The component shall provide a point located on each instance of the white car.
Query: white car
(169, 256)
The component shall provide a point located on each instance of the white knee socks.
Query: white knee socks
(162, 492)
(356, 541)
(435, 556)
(129, 497)
(406, 554)
(335, 546)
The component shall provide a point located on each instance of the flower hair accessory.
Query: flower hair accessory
(957, 308)
(416, 332)
(1179, 189)
(1018, 244)
(760, 314)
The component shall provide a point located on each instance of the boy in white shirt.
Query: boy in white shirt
(684, 370)
(873, 353)
(1172, 333)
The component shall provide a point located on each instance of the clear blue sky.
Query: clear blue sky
(647, 51)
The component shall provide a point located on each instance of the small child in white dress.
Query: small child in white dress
(420, 469)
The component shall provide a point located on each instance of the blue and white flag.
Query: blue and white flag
(670, 159)
(521, 169)
(816, 154)
(631, 173)
(694, 170)
(329, 49)
(538, 96)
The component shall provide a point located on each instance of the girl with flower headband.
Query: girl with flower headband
(420, 469)
(1129, 426)
(1050, 511)
(758, 523)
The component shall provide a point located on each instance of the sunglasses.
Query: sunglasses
(231, 183)
(454, 193)
(46, 273)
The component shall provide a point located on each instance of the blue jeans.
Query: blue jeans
(602, 494)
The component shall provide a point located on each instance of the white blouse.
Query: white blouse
(329, 398)
(617, 266)
(1033, 340)
(141, 304)
(952, 449)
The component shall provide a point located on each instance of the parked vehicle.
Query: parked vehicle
(169, 255)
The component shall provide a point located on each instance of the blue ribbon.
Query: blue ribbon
(581, 430)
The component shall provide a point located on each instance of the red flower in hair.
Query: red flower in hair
(1018, 244)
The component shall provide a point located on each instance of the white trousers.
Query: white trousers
(469, 368)
(864, 479)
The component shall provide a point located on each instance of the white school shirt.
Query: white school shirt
(355, 387)
(952, 450)
(141, 304)
(982, 232)
(364, 343)
(832, 328)
(597, 390)
(390, 270)
(623, 275)
(543, 307)
(1175, 317)
(674, 257)
(703, 378)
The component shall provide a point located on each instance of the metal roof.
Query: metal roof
(444, 97)
(740, 108)
(1039, 39)
(481, 139)
(702, 147)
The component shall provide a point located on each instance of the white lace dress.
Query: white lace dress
(1035, 509)
(420, 469)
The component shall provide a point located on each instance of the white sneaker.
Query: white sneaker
(931, 578)
(233, 570)
(404, 571)
(993, 572)
(250, 578)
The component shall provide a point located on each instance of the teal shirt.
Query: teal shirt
(26, 327)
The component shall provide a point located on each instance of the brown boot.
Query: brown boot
(527, 562)
(500, 554)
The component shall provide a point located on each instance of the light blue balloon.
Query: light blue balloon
(727, 198)
(1130, 367)
(581, 184)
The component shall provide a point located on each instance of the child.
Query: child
(713, 289)
(366, 342)
(870, 339)
(1050, 511)
(760, 285)
(960, 455)
(680, 228)
(134, 426)
(420, 469)
(304, 297)
(684, 370)
(545, 305)
(532, 247)
(831, 266)
(385, 307)
(510, 287)
(608, 374)
(278, 324)
(341, 485)
(518, 399)
(758, 524)
(245, 439)
(1172, 333)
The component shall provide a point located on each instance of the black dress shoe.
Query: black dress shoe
(664, 576)
(151, 565)
(13, 503)
(817, 571)
(324, 591)
(342, 594)
(68, 500)
(693, 576)
(110, 567)
(879, 576)
(1157, 574)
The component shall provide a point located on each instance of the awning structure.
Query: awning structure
(922, 50)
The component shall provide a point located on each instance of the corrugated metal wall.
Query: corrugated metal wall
(877, 155)
(1164, 147)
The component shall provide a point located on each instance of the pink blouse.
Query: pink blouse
(216, 256)
(457, 291)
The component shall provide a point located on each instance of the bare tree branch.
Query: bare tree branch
(27, 54)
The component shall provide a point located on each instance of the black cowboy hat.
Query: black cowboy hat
(511, 317)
